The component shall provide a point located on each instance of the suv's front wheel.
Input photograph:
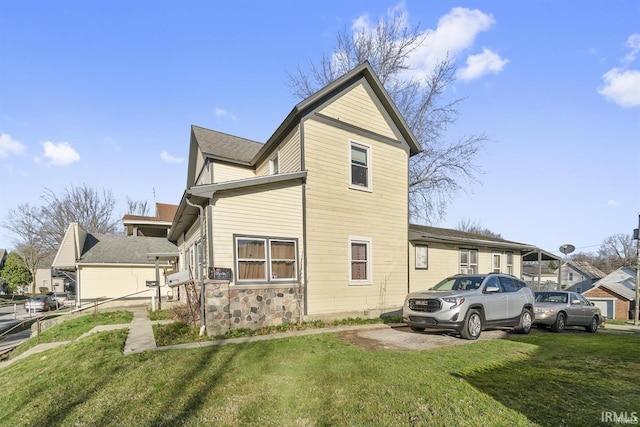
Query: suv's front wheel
(472, 325)
(524, 326)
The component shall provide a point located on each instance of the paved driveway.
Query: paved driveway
(400, 338)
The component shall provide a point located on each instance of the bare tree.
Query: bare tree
(437, 173)
(469, 226)
(137, 207)
(617, 251)
(89, 207)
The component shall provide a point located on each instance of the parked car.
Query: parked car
(471, 303)
(62, 299)
(559, 309)
(39, 303)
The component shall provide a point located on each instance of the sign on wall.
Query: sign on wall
(217, 273)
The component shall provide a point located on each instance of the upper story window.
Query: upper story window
(570, 276)
(468, 261)
(274, 164)
(422, 257)
(360, 166)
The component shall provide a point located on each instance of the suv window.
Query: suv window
(508, 284)
(494, 281)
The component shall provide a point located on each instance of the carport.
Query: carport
(538, 255)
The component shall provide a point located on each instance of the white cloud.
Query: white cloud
(633, 43)
(61, 153)
(622, 87)
(169, 158)
(10, 146)
(482, 64)
(456, 32)
(220, 112)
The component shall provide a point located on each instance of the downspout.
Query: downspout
(203, 324)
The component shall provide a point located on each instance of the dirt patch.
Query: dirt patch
(402, 338)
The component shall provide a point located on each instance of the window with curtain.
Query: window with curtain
(497, 262)
(263, 259)
(252, 259)
(359, 166)
(360, 260)
(510, 262)
(283, 259)
(422, 261)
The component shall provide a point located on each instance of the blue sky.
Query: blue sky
(104, 93)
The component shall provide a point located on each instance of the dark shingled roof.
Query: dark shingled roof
(224, 146)
(120, 249)
(447, 233)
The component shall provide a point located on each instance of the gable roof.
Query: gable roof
(445, 235)
(586, 269)
(226, 147)
(621, 281)
(120, 249)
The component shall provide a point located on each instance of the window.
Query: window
(509, 262)
(468, 261)
(283, 259)
(570, 276)
(274, 164)
(264, 259)
(497, 262)
(359, 260)
(360, 166)
(422, 259)
(508, 284)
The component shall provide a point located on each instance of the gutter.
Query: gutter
(203, 325)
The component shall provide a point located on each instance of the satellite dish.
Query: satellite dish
(567, 249)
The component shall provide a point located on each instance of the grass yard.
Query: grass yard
(320, 380)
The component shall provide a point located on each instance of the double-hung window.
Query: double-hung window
(359, 260)
(497, 262)
(274, 164)
(422, 257)
(360, 166)
(260, 259)
(468, 261)
(509, 262)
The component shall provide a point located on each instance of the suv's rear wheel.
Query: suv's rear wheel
(524, 326)
(472, 325)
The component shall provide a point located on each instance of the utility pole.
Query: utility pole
(636, 235)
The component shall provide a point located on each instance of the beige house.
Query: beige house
(113, 266)
(311, 224)
(436, 253)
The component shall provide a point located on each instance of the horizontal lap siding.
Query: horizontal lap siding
(226, 172)
(357, 108)
(288, 157)
(115, 281)
(442, 261)
(334, 212)
(273, 210)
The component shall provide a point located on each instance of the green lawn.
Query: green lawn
(320, 380)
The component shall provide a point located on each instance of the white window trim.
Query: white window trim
(493, 264)
(468, 267)
(419, 267)
(295, 261)
(509, 264)
(272, 161)
(369, 242)
(265, 259)
(369, 187)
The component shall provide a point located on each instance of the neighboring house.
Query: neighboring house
(311, 224)
(151, 226)
(113, 266)
(615, 293)
(579, 276)
(3, 257)
(548, 277)
(436, 253)
(50, 280)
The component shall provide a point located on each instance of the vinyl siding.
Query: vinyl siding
(100, 282)
(444, 261)
(335, 212)
(289, 155)
(228, 172)
(236, 213)
(358, 108)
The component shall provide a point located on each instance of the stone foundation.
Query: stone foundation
(235, 307)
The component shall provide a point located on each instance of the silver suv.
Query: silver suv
(470, 303)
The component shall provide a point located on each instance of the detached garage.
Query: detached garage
(615, 293)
